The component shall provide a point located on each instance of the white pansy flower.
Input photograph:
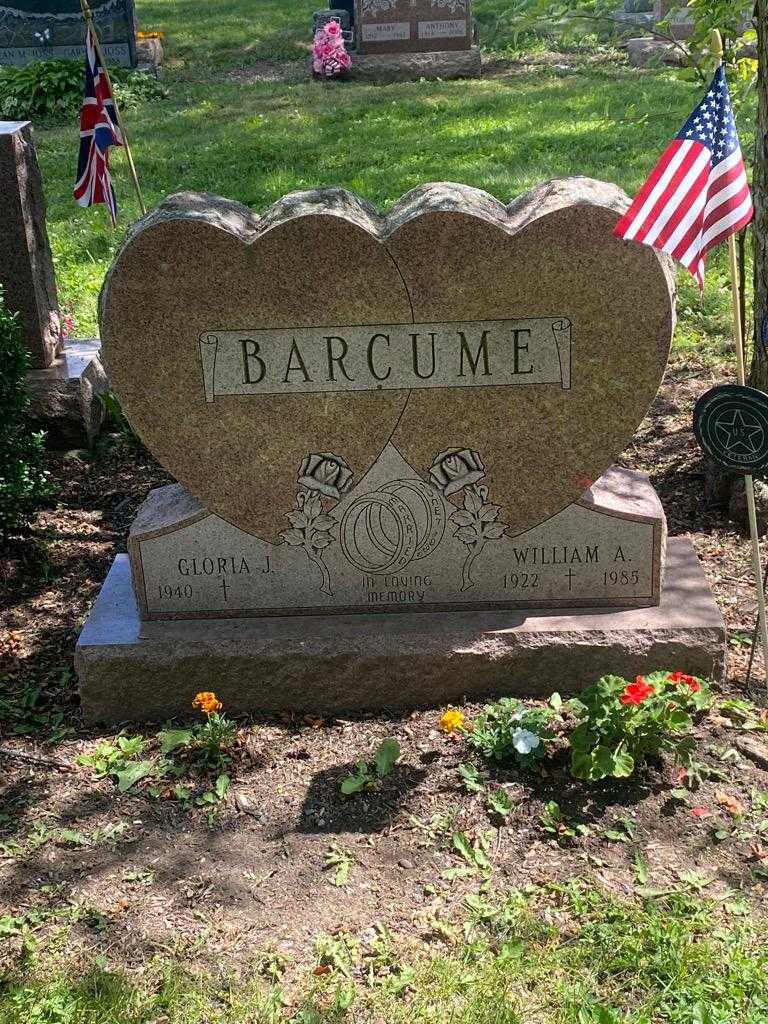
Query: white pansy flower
(524, 741)
(518, 716)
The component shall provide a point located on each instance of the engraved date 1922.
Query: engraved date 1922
(521, 580)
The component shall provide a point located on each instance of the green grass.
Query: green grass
(567, 956)
(254, 142)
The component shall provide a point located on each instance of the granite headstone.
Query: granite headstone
(406, 26)
(412, 430)
(45, 29)
(26, 265)
(429, 429)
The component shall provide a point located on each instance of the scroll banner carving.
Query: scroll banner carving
(388, 357)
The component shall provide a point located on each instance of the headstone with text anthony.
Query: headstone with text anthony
(404, 26)
(430, 430)
(33, 30)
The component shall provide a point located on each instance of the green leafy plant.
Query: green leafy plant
(475, 854)
(112, 756)
(509, 730)
(51, 91)
(624, 723)
(742, 714)
(367, 776)
(113, 413)
(195, 753)
(499, 801)
(23, 477)
(341, 862)
(472, 778)
(555, 822)
(213, 736)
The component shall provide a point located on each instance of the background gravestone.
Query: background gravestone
(26, 265)
(45, 29)
(66, 379)
(407, 26)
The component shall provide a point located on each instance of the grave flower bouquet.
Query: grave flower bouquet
(623, 723)
(329, 54)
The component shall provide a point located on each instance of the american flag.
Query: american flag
(98, 131)
(697, 193)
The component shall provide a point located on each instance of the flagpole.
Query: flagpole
(716, 45)
(88, 15)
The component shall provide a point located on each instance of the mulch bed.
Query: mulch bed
(254, 877)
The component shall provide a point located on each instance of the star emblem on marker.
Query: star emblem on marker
(740, 433)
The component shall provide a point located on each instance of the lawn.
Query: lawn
(564, 955)
(221, 130)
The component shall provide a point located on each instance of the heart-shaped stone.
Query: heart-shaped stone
(249, 352)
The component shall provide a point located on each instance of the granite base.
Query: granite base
(64, 398)
(131, 670)
(398, 67)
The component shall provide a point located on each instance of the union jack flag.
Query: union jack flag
(697, 193)
(99, 130)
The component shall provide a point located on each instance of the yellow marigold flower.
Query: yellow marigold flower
(452, 719)
(208, 702)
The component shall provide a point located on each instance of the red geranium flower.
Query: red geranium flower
(690, 681)
(635, 693)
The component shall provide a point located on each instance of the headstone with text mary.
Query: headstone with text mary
(404, 26)
(432, 427)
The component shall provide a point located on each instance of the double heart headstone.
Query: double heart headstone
(366, 406)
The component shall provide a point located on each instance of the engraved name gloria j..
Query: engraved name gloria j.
(387, 357)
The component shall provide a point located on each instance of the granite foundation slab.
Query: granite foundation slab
(410, 67)
(64, 397)
(131, 670)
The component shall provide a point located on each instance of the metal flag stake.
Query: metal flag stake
(749, 485)
(88, 15)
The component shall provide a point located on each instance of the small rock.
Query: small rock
(247, 805)
(405, 863)
(753, 749)
(643, 52)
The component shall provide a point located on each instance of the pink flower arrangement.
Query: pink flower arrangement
(329, 54)
(67, 323)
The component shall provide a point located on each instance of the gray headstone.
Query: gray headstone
(26, 266)
(46, 29)
(407, 26)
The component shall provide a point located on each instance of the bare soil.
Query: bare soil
(254, 876)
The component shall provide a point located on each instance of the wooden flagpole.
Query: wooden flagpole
(88, 15)
(716, 44)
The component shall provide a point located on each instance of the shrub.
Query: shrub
(508, 730)
(23, 477)
(52, 90)
(623, 723)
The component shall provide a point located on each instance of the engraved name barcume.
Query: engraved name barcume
(387, 357)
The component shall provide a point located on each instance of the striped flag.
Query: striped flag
(697, 193)
(99, 130)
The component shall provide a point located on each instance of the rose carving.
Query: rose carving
(311, 525)
(456, 468)
(326, 473)
(478, 521)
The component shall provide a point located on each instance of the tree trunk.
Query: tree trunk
(759, 373)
